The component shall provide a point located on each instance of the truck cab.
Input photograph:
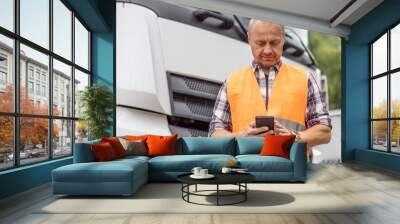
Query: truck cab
(172, 60)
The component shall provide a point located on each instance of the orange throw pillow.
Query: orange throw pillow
(116, 145)
(277, 145)
(136, 137)
(103, 152)
(161, 145)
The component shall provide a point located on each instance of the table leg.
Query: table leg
(188, 189)
(245, 191)
(217, 194)
(182, 188)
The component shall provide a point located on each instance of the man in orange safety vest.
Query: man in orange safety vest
(270, 87)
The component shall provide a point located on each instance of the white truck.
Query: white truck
(171, 61)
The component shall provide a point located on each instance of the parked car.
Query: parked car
(10, 157)
(25, 154)
(37, 153)
(57, 152)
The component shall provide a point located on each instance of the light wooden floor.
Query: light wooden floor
(378, 188)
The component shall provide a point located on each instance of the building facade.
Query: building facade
(34, 81)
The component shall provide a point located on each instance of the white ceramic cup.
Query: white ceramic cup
(203, 172)
(196, 170)
(226, 170)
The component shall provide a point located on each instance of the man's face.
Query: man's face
(266, 41)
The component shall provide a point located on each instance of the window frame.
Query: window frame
(388, 74)
(15, 71)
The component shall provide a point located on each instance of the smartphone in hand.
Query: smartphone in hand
(265, 121)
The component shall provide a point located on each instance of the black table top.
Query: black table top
(220, 178)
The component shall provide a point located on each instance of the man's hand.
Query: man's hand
(279, 129)
(282, 130)
(251, 130)
(315, 135)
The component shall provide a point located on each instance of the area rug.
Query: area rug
(167, 198)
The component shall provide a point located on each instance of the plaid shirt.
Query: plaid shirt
(316, 112)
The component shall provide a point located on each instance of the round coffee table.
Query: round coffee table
(238, 179)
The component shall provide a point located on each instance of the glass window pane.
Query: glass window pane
(34, 78)
(395, 136)
(81, 81)
(379, 135)
(62, 89)
(379, 55)
(81, 131)
(6, 142)
(395, 95)
(395, 47)
(81, 45)
(62, 29)
(62, 138)
(34, 17)
(6, 74)
(379, 98)
(7, 14)
(33, 139)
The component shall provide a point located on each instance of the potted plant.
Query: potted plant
(96, 103)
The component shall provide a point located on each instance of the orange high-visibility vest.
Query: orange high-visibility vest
(287, 101)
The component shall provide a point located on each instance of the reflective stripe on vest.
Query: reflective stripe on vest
(287, 101)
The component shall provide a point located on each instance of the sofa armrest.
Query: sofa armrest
(298, 155)
(83, 152)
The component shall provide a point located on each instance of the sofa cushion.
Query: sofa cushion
(185, 163)
(83, 152)
(93, 172)
(136, 137)
(116, 145)
(103, 152)
(277, 145)
(134, 147)
(161, 145)
(249, 145)
(112, 171)
(257, 163)
(206, 145)
(131, 158)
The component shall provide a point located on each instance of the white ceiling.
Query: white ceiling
(318, 15)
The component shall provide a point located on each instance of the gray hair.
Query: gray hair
(252, 21)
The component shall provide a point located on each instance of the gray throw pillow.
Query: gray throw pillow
(137, 147)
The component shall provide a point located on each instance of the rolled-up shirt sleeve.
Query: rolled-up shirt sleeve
(316, 112)
(221, 118)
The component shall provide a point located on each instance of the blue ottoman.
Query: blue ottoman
(118, 177)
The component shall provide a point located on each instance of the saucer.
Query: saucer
(240, 171)
(208, 176)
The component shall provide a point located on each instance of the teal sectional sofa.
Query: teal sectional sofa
(125, 176)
